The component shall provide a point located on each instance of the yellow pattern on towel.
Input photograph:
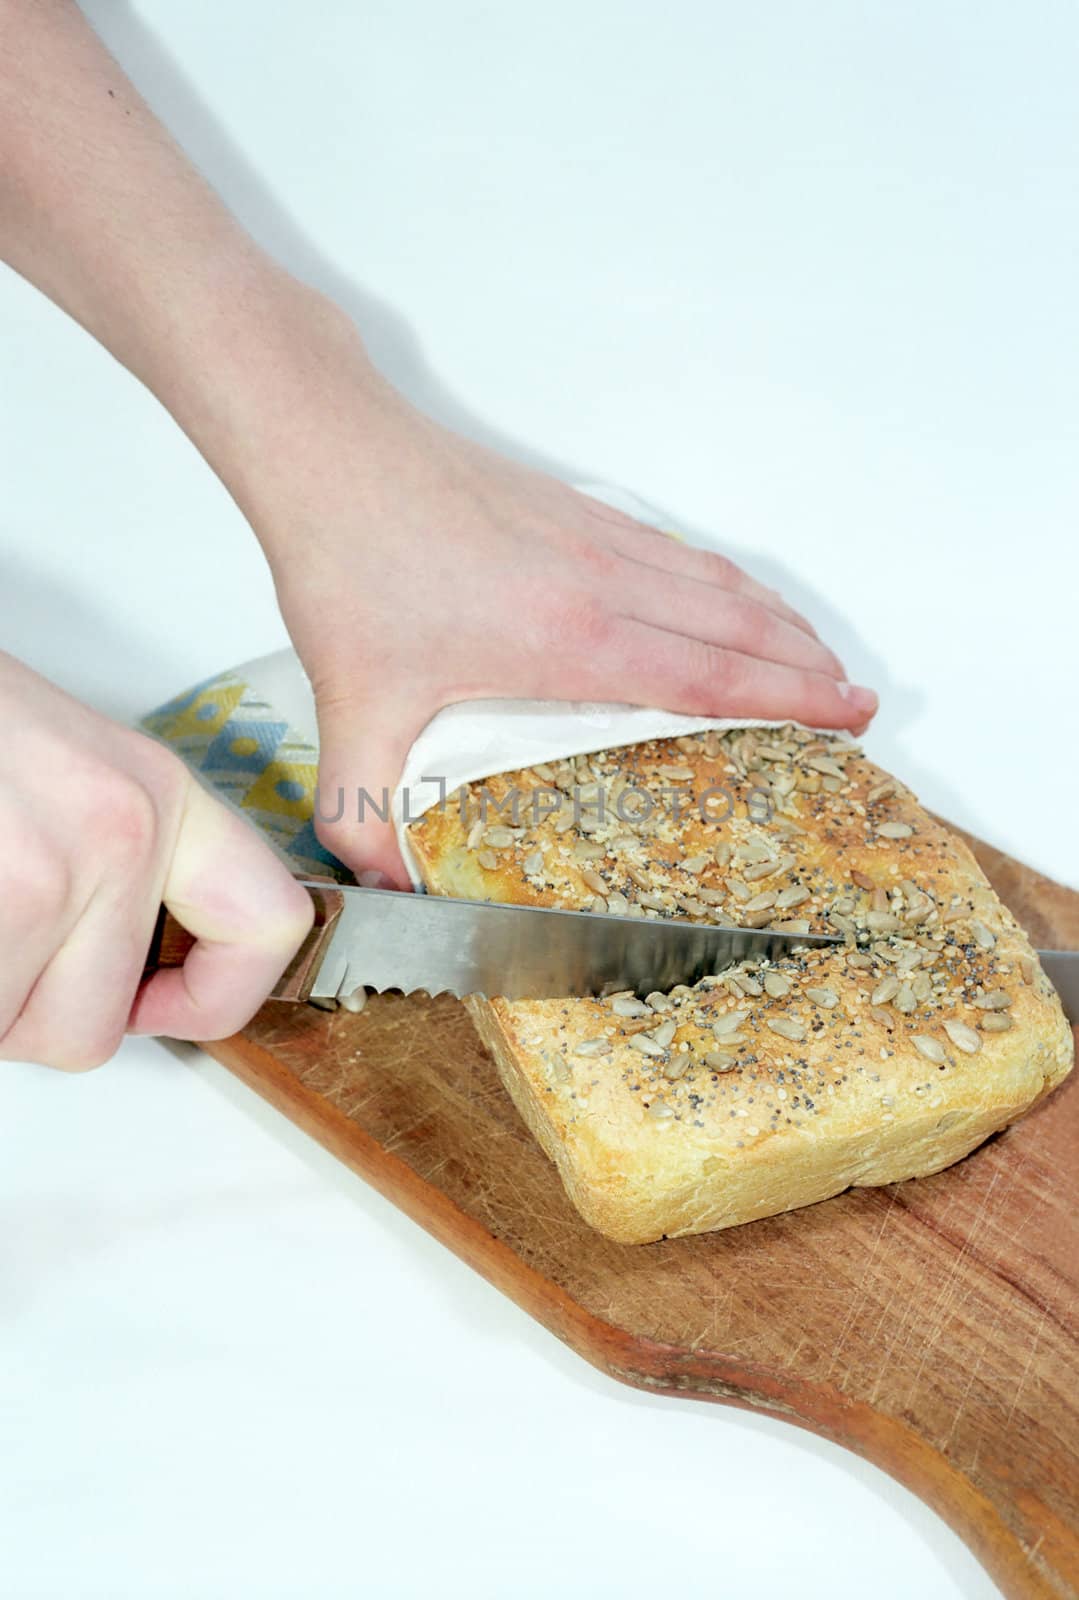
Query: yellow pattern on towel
(236, 743)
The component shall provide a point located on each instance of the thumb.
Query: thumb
(248, 915)
(362, 755)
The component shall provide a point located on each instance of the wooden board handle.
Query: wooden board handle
(172, 943)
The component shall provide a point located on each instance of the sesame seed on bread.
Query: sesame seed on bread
(773, 1085)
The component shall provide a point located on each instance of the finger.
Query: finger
(362, 752)
(661, 668)
(86, 936)
(35, 917)
(698, 611)
(638, 541)
(705, 566)
(74, 1013)
(248, 914)
(75, 1016)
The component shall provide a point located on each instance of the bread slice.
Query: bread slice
(773, 1085)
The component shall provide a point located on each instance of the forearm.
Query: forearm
(101, 210)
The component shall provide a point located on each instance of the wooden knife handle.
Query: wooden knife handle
(172, 942)
(169, 945)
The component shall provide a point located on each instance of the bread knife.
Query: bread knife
(1062, 969)
(380, 939)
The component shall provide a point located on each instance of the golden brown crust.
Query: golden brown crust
(817, 1088)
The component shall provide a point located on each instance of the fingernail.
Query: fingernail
(372, 879)
(863, 700)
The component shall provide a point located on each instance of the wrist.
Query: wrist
(285, 372)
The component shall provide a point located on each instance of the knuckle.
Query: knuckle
(85, 1059)
(82, 1040)
(732, 674)
(699, 701)
(701, 680)
(35, 880)
(296, 912)
(219, 1023)
(121, 815)
(725, 680)
(776, 641)
(335, 833)
(335, 695)
(594, 561)
(163, 770)
(723, 571)
(69, 1051)
(584, 620)
(753, 626)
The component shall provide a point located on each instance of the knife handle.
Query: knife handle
(172, 942)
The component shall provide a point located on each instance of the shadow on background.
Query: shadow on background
(39, 608)
(391, 343)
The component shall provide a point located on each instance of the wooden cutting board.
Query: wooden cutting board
(932, 1326)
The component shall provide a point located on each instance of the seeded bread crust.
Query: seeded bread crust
(884, 1060)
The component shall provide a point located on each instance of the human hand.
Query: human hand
(98, 827)
(415, 568)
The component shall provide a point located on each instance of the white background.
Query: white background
(803, 276)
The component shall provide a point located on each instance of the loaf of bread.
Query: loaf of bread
(772, 1085)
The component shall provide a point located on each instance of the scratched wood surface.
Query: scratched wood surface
(932, 1326)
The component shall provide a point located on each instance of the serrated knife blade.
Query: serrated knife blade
(1062, 970)
(384, 940)
(378, 939)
